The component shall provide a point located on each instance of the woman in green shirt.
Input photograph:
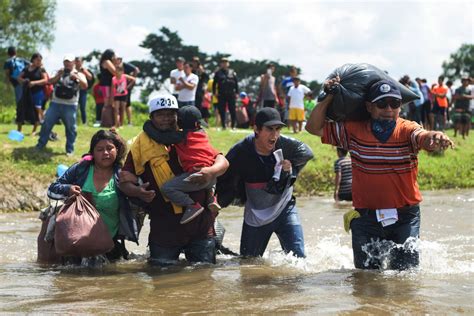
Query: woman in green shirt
(96, 178)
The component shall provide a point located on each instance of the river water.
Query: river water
(323, 283)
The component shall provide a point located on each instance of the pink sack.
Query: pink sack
(80, 231)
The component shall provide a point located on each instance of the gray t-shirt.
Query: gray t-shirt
(267, 93)
(462, 103)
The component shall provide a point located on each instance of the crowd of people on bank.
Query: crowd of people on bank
(172, 172)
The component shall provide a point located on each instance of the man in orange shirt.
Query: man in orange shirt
(385, 192)
(440, 104)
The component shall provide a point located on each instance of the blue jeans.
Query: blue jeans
(82, 105)
(18, 92)
(203, 250)
(67, 114)
(286, 226)
(366, 229)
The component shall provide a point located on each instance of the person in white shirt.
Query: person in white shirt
(175, 74)
(296, 95)
(186, 86)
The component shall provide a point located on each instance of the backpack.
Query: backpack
(66, 88)
(48, 89)
(18, 64)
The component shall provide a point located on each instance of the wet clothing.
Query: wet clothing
(384, 178)
(366, 229)
(249, 180)
(77, 174)
(165, 228)
(383, 174)
(202, 250)
(106, 201)
(288, 228)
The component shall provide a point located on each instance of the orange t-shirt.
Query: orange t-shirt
(442, 102)
(383, 174)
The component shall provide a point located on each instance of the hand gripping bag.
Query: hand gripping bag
(350, 94)
(80, 231)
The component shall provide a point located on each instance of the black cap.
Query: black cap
(268, 117)
(189, 117)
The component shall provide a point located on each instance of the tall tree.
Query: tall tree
(460, 63)
(27, 24)
(165, 46)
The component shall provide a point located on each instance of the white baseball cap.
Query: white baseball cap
(162, 102)
(69, 57)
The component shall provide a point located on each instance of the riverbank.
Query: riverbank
(25, 174)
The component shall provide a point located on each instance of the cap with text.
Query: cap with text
(162, 102)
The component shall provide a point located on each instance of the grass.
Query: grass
(21, 166)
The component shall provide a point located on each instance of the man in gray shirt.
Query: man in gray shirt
(268, 92)
(67, 83)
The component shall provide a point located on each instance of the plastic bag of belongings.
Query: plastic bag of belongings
(350, 95)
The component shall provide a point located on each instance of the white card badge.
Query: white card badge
(387, 216)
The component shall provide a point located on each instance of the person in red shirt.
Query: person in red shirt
(385, 191)
(99, 103)
(194, 153)
(440, 104)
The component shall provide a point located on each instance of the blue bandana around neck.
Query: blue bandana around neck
(383, 129)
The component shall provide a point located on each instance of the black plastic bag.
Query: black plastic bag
(350, 94)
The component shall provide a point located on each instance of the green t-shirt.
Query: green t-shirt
(106, 202)
(309, 106)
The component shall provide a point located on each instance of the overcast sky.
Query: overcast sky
(402, 37)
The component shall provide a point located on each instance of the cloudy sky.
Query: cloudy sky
(402, 37)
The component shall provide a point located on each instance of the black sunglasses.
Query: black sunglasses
(393, 103)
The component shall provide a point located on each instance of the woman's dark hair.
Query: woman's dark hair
(118, 142)
(35, 55)
(106, 55)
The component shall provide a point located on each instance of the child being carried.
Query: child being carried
(194, 152)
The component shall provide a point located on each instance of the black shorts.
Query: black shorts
(122, 98)
(438, 110)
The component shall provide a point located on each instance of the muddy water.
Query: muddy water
(323, 283)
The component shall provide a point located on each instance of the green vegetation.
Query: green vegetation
(460, 63)
(25, 169)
